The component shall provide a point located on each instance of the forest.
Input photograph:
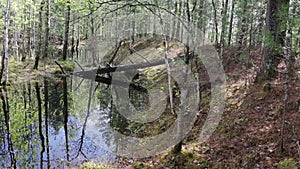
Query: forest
(150, 84)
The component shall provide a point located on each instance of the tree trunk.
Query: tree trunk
(16, 44)
(216, 22)
(224, 24)
(5, 46)
(243, 26)
(251, 31)
(40, 121)
(277, 11)
(34, 27)
(178, 35)
(73, 40)
(5, 107)
(38, 53)
(47, 30)
(46, 107)
(178, 147)
(67, 27)
(66, 116)
(231, 23)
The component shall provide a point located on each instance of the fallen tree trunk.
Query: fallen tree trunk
(95, 74)
(111, 69)
(131, 86)
(92, 76)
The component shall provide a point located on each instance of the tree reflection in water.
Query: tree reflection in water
(54, 123)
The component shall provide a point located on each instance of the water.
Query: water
(55, 122)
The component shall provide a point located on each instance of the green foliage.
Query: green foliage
(270, 42)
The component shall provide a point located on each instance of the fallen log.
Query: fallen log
(110, 69)
(109, 81)
(95, 74)
(120, 83)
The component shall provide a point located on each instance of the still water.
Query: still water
(55, 122)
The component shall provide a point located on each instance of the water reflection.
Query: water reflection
(55, 122)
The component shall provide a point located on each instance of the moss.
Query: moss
(142, 44)
(68, 65)
(287, 164)
(140, 165)
(91, 165)
(185, 159)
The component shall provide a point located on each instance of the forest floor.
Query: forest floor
(20, 72)
(253, 132)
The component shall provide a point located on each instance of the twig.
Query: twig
(62, 70)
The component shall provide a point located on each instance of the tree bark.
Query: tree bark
(38, 53)
(5, 106)
(216, 23)
(47, 29)
(277, 11)
(46, 107)
(66, 116)
(73, 39)
(40, 121)
(109, 69)
(231, 23)
(224, 24)
(67, 28)
(5, 46)
(243, 27)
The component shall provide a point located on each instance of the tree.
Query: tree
(243, 22)
(38, 53)
(277, 12)
(231, 23)
(67, 27)
(224, 23)
(216, 22)
(5, 46)
(47, 29)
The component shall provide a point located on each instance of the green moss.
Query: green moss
(241, 120)
(140, 165)
(68, 65)
(287, 164)
(91, 165)
(186, 159)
